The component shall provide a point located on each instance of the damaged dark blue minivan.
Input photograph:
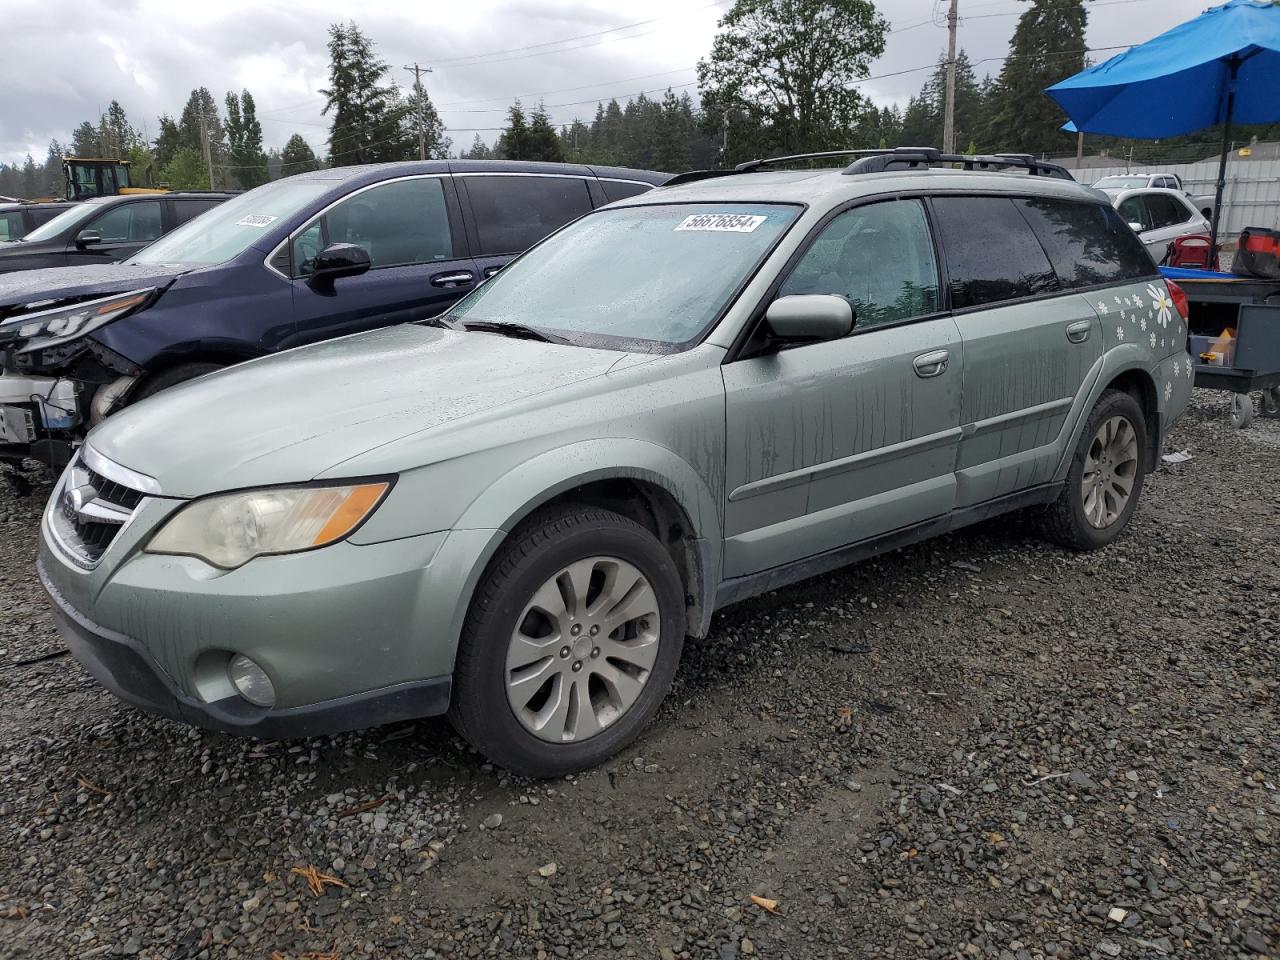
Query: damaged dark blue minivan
(308, 258)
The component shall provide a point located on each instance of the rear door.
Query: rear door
(411, 229)
(833, 443)
(124, 229)
(510, 212)
(1029, 347)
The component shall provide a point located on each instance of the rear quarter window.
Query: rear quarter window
(184, 210)
(991, 253)
(620, 190)
(1088, 244)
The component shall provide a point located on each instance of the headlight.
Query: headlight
(52, 327)
(230, 530)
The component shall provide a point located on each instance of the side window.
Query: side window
(513, 213)
(43, 214)
(1134, 210)
(991, 253)
(1166, 211)
(879, 257)
(397, 223)
(129, 222)
(621, 189)
(184, 210)
(11, 226)
(1087, 243)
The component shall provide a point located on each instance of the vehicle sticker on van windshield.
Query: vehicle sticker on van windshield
(255, 221)
(723, 222)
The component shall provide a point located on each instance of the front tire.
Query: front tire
(571, 642)
(172, 377)
(1105, 481)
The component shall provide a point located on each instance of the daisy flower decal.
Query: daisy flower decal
(1168, 390)
(1189, 368)
(1120, 334)
(1161, 303)
(1143, 323)
(1102, 306)
(1153, 339)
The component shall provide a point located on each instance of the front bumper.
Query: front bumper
(127, 669)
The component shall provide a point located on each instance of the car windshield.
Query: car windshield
(67, 218)
(1121, 183)
(650, 278)
(230, 228)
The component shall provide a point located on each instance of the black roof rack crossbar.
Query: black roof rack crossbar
(878, 161)
(913, 158)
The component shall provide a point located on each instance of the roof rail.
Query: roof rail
(752, 165)
(878, 161)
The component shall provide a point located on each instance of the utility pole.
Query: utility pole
(949, 112)
(417, 72)
(208, 154)
(724, 145)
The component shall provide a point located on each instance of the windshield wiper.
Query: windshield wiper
(441, 320)
(508, 328)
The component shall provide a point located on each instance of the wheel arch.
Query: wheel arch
(641, 480)
(1139, 384)
(162, 363)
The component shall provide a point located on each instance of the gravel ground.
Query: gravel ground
(979, 747)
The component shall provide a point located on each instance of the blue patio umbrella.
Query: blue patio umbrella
(1221, 68)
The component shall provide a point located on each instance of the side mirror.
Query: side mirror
(819, 316)
(1136, 227)
(87, 238)
(340, 260)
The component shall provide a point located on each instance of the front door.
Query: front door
(834, 443)
(419, 265)
(1030, 346)
(123, 229)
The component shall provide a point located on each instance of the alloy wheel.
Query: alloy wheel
(582, 649)
(1110, 468)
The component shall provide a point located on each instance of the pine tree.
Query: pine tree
(371, 121)
(297, 157)
(513, 142)
(432, 126)
(167, 142)
(1048, 45)
(84, 141)
(185, 171)
(672, 149)
(479, 150)
(52, 177)
(244, 135)
(544, 145)
(201, 103)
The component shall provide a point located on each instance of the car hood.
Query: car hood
(290, 417)
(79, 283)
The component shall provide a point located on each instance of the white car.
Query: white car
(1158, 217)
(1159, 181)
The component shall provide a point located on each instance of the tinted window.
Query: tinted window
(397, 223)
(1166, 211)
(43, 213)
(514, 213)
(184, 210)
(620, 190)
(129, 222)
(1134, 210)
(11, 225)
(879, 257)
(991, 253)
(1087, 243)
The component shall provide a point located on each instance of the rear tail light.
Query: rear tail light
(1180, 302)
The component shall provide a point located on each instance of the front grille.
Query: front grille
(88, 512)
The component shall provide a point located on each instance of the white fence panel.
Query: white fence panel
(1251, 198)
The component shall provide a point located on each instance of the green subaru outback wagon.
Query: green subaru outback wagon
(515, 513)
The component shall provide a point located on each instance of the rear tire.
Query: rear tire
(172, 377)
(571, 643)
(1110, 458)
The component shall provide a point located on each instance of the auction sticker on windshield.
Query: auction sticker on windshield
(722, 222)
(255, 221)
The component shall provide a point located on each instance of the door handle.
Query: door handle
(931, 364)
(490, 271)
(1078, 332)
(459, 279)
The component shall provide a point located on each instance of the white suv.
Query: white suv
(1159, 216)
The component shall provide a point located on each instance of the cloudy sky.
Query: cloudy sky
(65, 60)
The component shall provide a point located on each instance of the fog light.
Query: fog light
(251, 681)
